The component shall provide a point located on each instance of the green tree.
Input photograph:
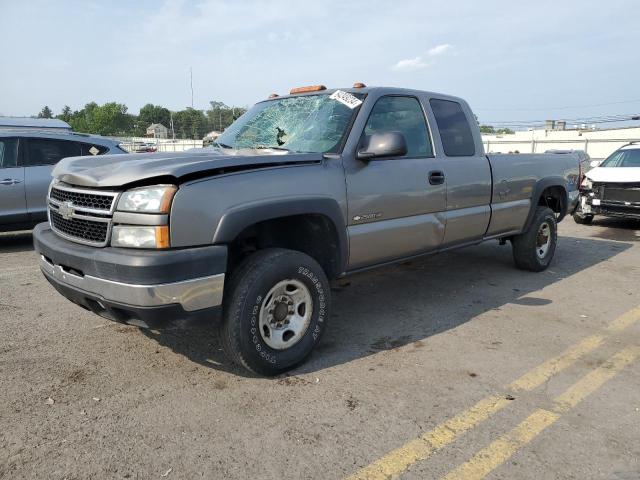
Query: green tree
(190, 123)
(151, 114)
(66, 114)
(45, 112)
(505, 131)
(487, 129)
(220, 116)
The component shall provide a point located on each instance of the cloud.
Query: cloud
(440, 50)
(410, 64)
(418, 63)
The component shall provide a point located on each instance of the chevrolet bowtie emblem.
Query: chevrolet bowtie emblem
(66, 210)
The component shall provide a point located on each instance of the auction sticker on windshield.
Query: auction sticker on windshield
(346, 98)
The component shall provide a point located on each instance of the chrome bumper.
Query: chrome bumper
(192, 295)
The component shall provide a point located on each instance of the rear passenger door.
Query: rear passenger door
(393, 209)
(13, 206)
(40, 157)
(467, 173)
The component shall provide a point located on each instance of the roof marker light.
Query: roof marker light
(359, 85)
(274, 95)
(311, 88)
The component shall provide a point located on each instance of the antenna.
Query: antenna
(191, 72)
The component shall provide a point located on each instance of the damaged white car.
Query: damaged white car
(612, 188)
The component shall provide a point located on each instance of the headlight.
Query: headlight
(587, 184)
(140, 237)
(156, 199)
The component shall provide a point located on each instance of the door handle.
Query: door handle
(436, 177)
(9, 181)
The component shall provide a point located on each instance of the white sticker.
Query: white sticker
(346, 98)
(595, 201)
(94, 151)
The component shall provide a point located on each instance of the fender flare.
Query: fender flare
(236, 219)
(540, 187)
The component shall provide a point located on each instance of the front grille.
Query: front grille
(87, 230)
(614, 194)
(86, 199)
(81, 214)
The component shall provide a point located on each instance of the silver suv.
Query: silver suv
(26, 160)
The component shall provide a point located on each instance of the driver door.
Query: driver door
(393, 208)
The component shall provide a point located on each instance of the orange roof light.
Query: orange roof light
(274, 95)
(311, 88)
(359, 85)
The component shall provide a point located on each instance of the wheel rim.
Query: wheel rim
(543, 240)
(285, 314)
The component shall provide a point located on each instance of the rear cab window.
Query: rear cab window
(8, 152)
(453, 125)
(402, 114)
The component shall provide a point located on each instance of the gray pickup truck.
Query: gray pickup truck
(302, 189)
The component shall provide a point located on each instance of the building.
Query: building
(157, 130)
(598, 143)
(22, 123)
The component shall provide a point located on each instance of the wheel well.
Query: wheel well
(556, 199)
(313, 234)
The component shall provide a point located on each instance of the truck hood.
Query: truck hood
(614, 174)
(121, 170)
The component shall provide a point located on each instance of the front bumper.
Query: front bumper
(591, 205)
(139, 287)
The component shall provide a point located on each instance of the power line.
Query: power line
(557, 108)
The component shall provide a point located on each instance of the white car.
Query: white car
(612, 188)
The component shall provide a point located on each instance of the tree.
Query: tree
(66, 114)
(151, 114)
(486, 129)
(45, 113)
(220, 116)
(505, 131)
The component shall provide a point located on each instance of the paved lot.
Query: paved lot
(454, 365)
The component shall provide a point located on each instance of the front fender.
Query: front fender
(238, 218)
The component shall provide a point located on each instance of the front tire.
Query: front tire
(534, 249)
(582, 218)
(275, 311)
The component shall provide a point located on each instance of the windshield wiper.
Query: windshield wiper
(222, 145)
(264, 147)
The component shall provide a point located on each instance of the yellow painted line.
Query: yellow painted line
(536, 377)
(421, 448)
(499, 451)
(396, 461)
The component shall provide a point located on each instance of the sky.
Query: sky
(511, 60)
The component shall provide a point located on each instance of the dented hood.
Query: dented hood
(614, 174)
(119, 170)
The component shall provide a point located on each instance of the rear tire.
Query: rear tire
(275, 310)
(534, 249)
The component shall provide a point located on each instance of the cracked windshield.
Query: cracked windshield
(310, 124)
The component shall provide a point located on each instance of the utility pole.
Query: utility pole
(191, 72)
(173, 132)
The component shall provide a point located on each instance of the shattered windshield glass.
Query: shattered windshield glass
(306, 123)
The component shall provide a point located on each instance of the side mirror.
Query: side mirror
(594, 163)
(380, 145)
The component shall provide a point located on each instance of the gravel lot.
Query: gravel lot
(409, 347)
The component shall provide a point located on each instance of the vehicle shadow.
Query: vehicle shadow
(16, 242)
(396, 305)
(621, 229)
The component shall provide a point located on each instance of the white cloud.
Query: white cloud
(410, 64)
(440, 50)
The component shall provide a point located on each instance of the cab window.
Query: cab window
(455, 133)
(404, 115)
